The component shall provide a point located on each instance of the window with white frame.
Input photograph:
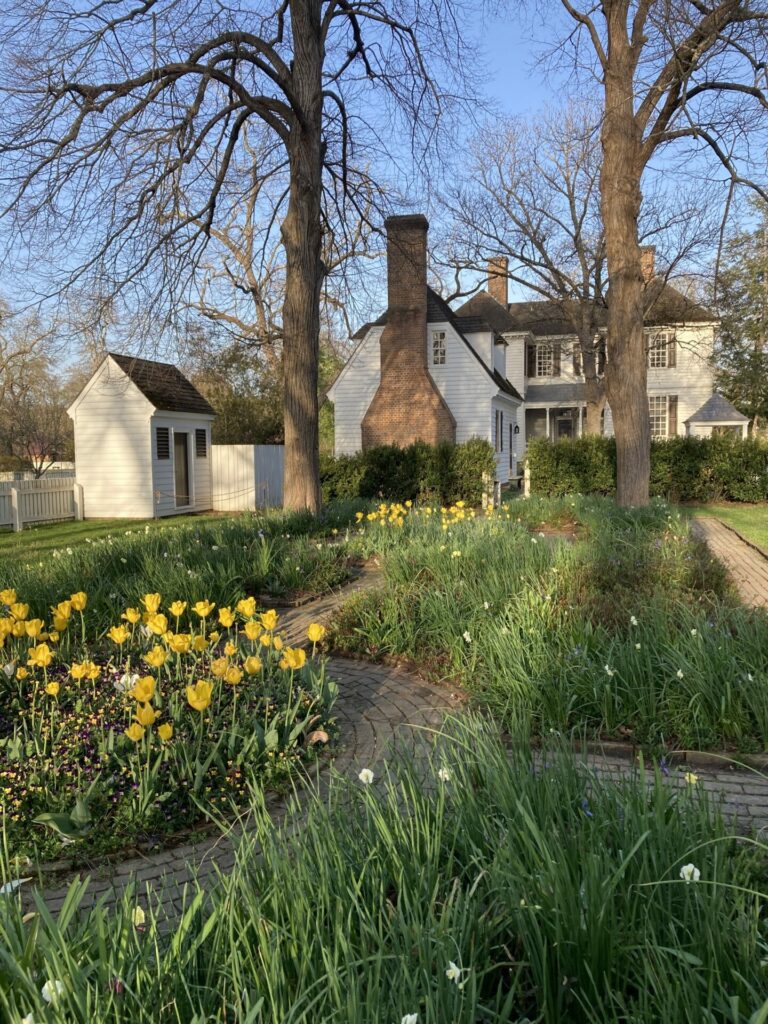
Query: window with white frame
(545, 362)
(660, 350)
(438, 348)
(657, 407)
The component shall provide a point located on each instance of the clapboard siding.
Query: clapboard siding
(465, 386)
(163, 477)
(353, 392)
(112, 451)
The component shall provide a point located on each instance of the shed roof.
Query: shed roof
(163, 384)
(717, 409)
(555, 394)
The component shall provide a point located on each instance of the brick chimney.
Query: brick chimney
(407, 406)
(498, 284)
(647, 260)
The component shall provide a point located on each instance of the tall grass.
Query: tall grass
(555, 894)
(628, 632)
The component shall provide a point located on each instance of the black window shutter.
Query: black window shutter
(163, 442)
(530, 351)
(556, 359)
(576, 359)
(671, 352)
(672, 416)
(201, 445)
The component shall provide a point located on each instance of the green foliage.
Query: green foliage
(555, 891)
(718, 468)
(444, 473)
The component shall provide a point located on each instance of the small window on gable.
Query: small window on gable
(201, 443)
(163, 442)
(438, 348)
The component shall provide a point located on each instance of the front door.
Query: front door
(564, 428)
(181, 468)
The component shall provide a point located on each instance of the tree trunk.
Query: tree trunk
(626, 374)
(301, 234)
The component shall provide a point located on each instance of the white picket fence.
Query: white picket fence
(246, 476)
(25, 502)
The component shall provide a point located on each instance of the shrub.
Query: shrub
(444, 472)
(682, 468)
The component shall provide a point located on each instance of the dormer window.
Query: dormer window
(438, 348)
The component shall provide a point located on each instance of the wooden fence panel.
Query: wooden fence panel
(39, 501)
(245, 477)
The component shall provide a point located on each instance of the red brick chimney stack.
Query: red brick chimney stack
(498, 283)
(407, 406)
(648, 258)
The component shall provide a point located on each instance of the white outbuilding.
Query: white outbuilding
(142, 441)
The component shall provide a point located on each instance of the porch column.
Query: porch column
(548, 436)
(581, 420)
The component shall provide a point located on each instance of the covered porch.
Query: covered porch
(555, 422)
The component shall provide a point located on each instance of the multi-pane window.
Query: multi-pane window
(545, 362)
(661, 350)
(438, 348)
(657, 407)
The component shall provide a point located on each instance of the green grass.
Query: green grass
(39, 542)
(479, 887)
(751, 521)
(629, 632)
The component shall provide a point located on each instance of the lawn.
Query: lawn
(751, 521)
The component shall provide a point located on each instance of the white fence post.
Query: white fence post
(79, 500)
(16, 520)
(526, 480)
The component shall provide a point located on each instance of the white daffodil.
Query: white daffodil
(632, 620)
(466, 637)
(126, 682)
(9, 669)
(366, 776)
(609, 671)
(638, 646)
(410, 1018)
(51, 991)
(29, 1019)
(486, 605)
(694, 632)
(444, 775)
(691, 778)
(452, 972)
(690, 873)
(680, 673)
(138, 917)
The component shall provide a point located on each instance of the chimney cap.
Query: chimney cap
(407, 220)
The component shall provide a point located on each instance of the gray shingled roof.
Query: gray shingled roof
(717, 409)
(556, 394)
(163, 384)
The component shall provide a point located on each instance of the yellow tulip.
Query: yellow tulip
(145, 714)
(253, 630)
(199, 695)
(63, 609)
(19, 629)
(52, 689)
(132, 615)
(252, 665)
(119, 634)
(214, 637)
(296, 657)
(199, 643)
(245, 607)
(19, 611)
(283, 664)
(143, 691)
(277, 642)
(79, 601)
(6, 626)
(180, 642)
(156, 657)
(157, 623)
(40, 656)
(316, 632)
(177, 609)
(226, 617)
(230, 649)
(266, 639)
(219, 667)
(60, 623)
(269, 619)
(134, 732)
(233, 676)
(165, 731)
(34, 627)
(21, 672)
(78, 671)
(8, 597)
(93, 670)
(53, 636)
(152, 603)
(203, 608)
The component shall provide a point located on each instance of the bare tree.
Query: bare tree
(123, 124)
(670, 71)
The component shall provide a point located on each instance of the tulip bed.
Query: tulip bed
(114, 740)
(568, 614)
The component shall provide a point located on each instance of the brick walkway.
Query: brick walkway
(747, 567)
(376, 706)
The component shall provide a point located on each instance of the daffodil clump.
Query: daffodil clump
(175, 709)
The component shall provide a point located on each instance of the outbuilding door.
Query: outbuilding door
(181, 468)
